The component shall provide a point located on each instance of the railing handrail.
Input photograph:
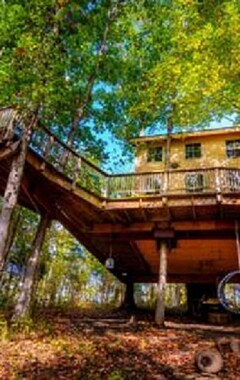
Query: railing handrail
(67, 147)
(95, 180)
(171, 171)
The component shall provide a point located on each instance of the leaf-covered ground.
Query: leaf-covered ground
(107, 346)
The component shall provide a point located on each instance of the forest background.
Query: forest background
(100, 70)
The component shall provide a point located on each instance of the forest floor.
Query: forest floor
(84, 345)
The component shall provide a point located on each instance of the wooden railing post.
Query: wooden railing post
(106, 187)
(50, 142)
(64, 157)
(165, 181)
(76, 171)
(218, 183)
(217, 180)
(165, 187)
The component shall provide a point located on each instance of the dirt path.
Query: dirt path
(97, 347)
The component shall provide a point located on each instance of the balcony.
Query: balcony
(83, 173)
(132, 185)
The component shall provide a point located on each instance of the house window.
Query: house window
(233, 148)
(193, 150)
(194, 182)
(155, 154)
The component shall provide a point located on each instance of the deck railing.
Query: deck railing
(88, 176)
(135, 184)
(77, 168)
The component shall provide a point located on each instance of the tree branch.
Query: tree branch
(81, 108)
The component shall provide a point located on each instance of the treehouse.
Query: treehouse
(190, 207)
(190, 151)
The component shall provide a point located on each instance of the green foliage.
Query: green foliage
(110, 66)
(116, 375)
(23, 325)
(4, 330)
(16, 262)
(67, 274)
(71, 275)
(120, 66)
(176, 65)
(175, 296)
(53, 59)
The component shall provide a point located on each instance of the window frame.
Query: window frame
(152, 155)
(232, 151)
(194, 152)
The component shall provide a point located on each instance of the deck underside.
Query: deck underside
(198, 227)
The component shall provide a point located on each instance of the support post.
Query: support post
(128, 301)
(160, 306)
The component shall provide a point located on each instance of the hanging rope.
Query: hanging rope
(233, 308)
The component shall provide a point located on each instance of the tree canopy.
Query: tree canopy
(120, 66)
(112, 66)
(185, 60)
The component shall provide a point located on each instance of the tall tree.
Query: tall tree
(176, 72)
(22, 308)
(12, 191)
(51, 52)
(28, 55)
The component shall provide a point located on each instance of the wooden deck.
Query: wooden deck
(194, 210)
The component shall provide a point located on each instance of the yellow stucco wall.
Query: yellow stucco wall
(213, 148)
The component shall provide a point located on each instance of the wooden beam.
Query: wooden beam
(174, 200)
(178, 236)
(77, 206)
(140, 256)
(203, 225)
(142, 211)
(59, 179)
(164, 233)
(77, 221)
(121, 228)
(9, 150)
(193, 209)
(182, 226)
(128, 217)
(178, 278)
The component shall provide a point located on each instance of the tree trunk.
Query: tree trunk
(22, 308)
(7, 118)
(10, 238)
(160, 306)
(12, 230)
(11, 196)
